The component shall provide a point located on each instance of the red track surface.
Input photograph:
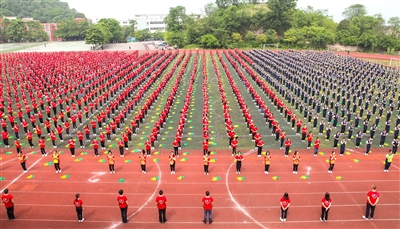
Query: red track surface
(370, 55)
(250, 203)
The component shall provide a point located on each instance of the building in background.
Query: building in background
(50, 29)
(153, 22)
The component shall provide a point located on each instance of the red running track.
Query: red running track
(248, 200)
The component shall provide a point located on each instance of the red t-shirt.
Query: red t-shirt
(207, 201)
(7, 200)
(326, 202)
(372, 196)
(122, 201)
(285, 202)
(161, 202)
(78, 203)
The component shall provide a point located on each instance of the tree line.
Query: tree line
(250, 24)
(20, 31)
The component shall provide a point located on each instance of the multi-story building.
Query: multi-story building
(153, 22)
(50, 29)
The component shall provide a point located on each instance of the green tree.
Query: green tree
(250, 36)
(236, 37)
(279, 17)
(98, 35)
(209, 41)
(294, 37)
(271, 36)
(394, 23)
(114, 27)
(176, 19)
(261, 38)
(35, 31)
(17, 31)
(146, 34)
(4, 26)
(223, 4)
(158, 35)
(368, 40)
(138, 34)
(68, 30)
(354, 11)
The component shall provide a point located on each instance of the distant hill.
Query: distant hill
(42, 10)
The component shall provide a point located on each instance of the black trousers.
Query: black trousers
(43, 151)
(124, 212)
(176, 151)
(331, 167)
(172, 167)
(238, 166)
(79, 213)
(143, 167)
(23, 165)
(266, 168)
(111, 167)
(206, 168)
(57, 166)
(295, 167)
(161, 215)
(284, 213)
(369, 209)
(72, 151)
(287, 150)
(10, 212)
(259, 149)
(324, 213)
(387, 165)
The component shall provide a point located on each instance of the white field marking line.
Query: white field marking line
(234, 200)
(196, 207)
(308, 170)
(14, 158)
(151, 198)
(196, 222)
(217, 194)
(13, 181)
(97, 174)
(248, 183)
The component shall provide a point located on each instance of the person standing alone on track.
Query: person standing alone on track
(267, 161)
(162, 206)
(111, 161)
(238, 159)
(332, 160)
(79, 207)
(8, 201)
(56, 161)
(123, 205)
(172, 160)
(296, 161)
(388, 160)
(206, 161)
(207, 206)
(22, 159)
(285, 203)
(326, 205)
(142, 159)
(372, 200)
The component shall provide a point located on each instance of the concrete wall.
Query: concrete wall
(339, 47)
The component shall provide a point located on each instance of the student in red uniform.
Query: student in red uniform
(288, 143)
(22, 159)
(206, 162)
(317, 142)
(207, 206)
(148, 146)
(175, 144)
(8, 201)
(172, 160)
(142, 160)
(123, 205)
(234, 145)
(80, 139)
(95, 144)
(285, 203)
(71, 144)
(17, 145)
(296, 161)
(78, 203)
(161, 201)
(5, 136)
(121, 147)
(326, 205)
(53, 138)
(310, 137)
(260, 145)
(205, 147)
(42, 144)
(238, 159)
(29, 136)
(372, 200)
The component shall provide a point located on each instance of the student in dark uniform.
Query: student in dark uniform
(343, 143)
(395, 145)
(383, 138)
(359, 136)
